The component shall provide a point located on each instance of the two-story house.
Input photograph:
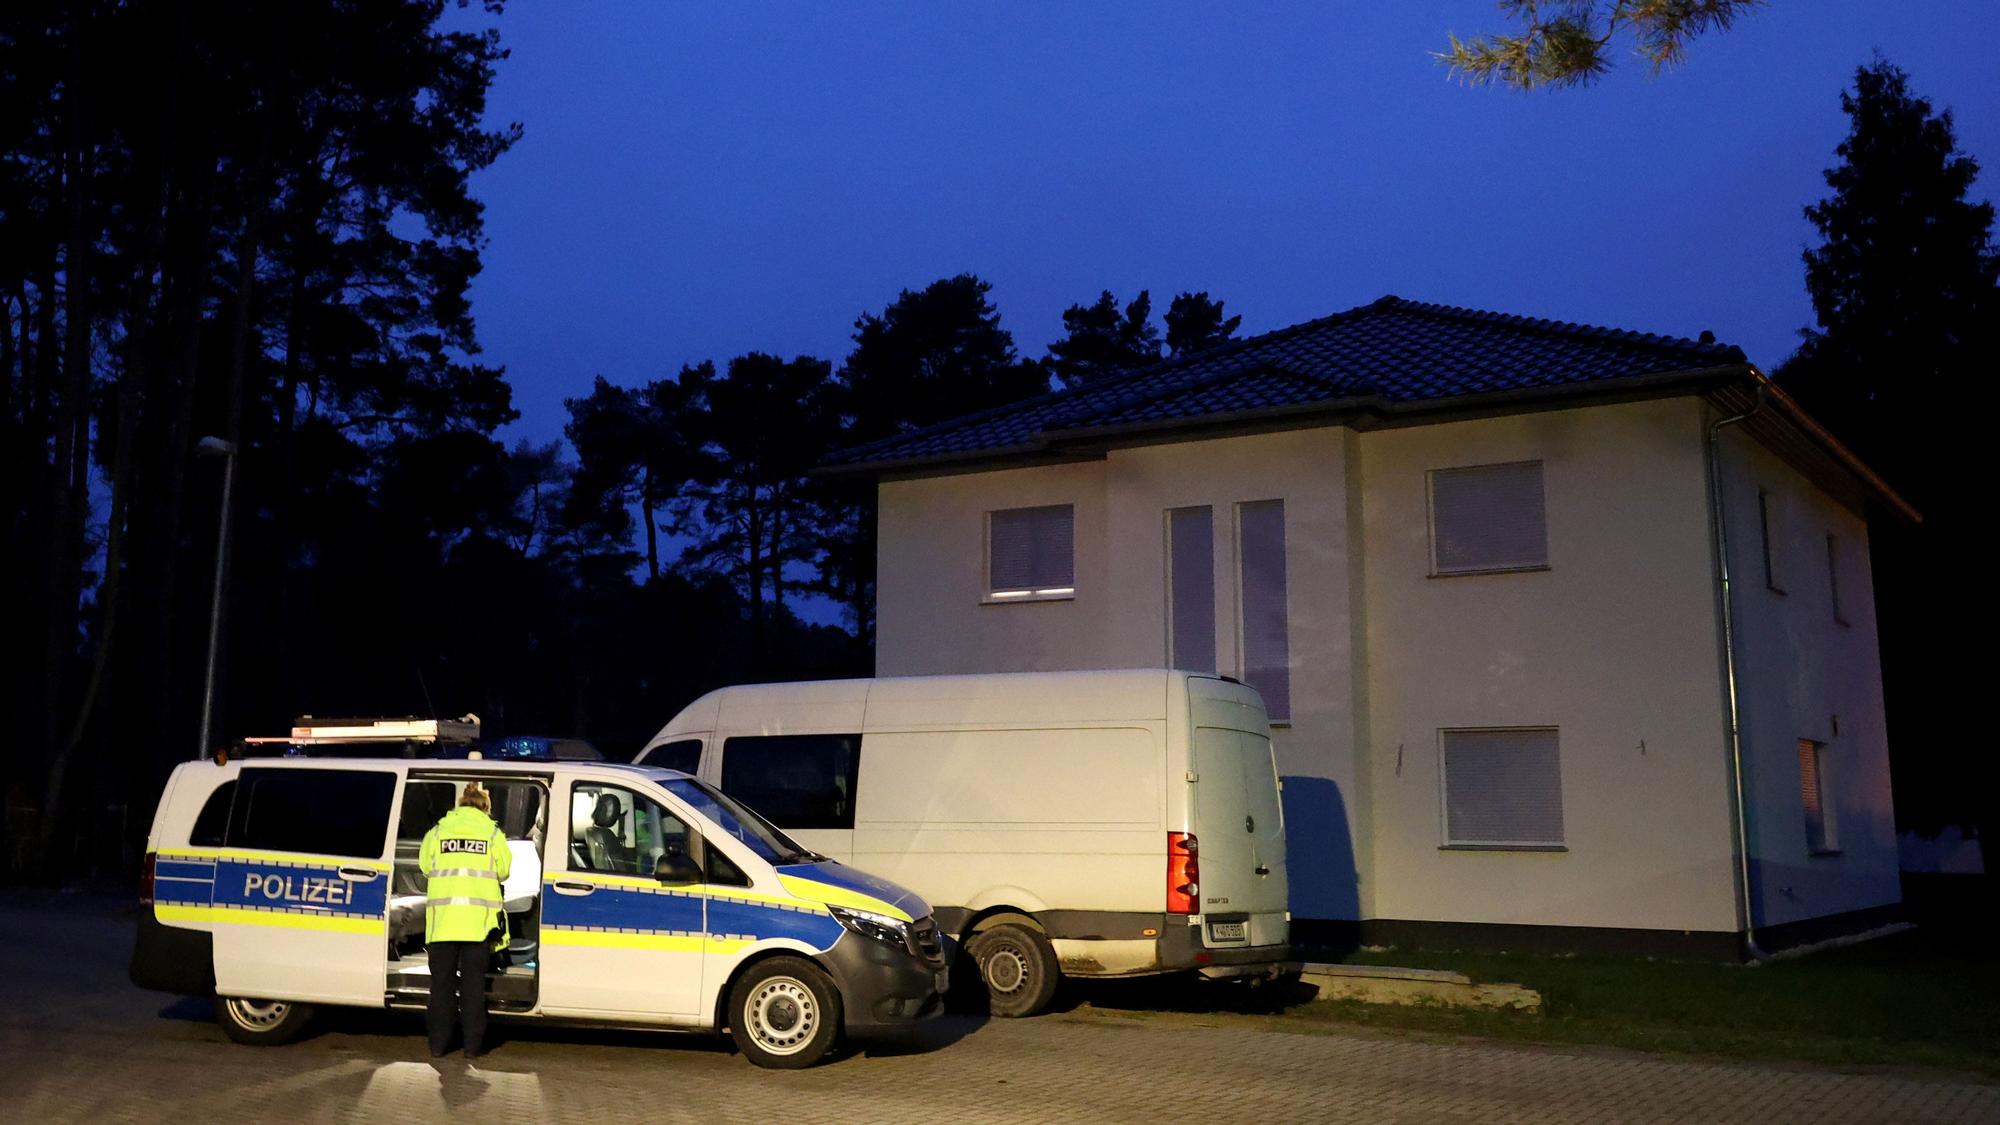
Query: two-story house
(1567, 634)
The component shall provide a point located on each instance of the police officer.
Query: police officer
(465, 857)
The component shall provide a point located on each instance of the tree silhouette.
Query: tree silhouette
(1196, 323)
(934, 353)
(1903, 286)
(1100, 340)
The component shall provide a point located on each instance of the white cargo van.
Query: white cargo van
(1096, 824)
(638, 896)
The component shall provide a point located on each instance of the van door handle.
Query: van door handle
(358, 874)
(573, 888)
(1263, 870)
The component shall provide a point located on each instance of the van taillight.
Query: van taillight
(146, 879)
(1183, 874)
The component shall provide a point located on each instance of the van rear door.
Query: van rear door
(300, 899)
(1237, 818)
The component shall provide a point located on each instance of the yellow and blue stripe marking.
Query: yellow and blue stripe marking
(270, 889)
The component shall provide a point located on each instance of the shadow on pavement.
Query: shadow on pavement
(1184, 993)
(921, 1039)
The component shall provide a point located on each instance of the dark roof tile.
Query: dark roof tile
(1394, 350)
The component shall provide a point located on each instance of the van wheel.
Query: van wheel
(1018, 968)
(261, 1023)
(784, 1013)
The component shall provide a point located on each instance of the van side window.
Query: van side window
(683, 754)
(614, 831)
(723, 872)
(324, 812)
(213, 824)
(795, 780)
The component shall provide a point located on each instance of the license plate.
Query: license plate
(1226, 931)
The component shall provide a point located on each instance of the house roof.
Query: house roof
(1388, 361)
(1390, 353)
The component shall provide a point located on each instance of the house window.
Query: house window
(1812, 794)
(1767, 511)
(1191, 589)
(1030, 553)
(1264, 631)
(1487, 518)
(1833, 577)
(1502, 788)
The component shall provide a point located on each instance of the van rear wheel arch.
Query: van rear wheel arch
(1001, 916)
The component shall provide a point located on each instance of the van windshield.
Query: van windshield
(756, 833)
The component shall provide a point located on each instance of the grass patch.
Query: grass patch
(1919, 999)
(1915, 999)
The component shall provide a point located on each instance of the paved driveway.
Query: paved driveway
(77, 1042)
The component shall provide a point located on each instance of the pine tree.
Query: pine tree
(1196, 323)
(1903, 285)
(1903, 281)
(1099, 340)
(1567, 42)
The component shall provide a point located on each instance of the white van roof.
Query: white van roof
(900, 702)
(602, 771)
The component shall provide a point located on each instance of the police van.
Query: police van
(638, 897)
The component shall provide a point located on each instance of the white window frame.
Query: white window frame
(1430, 520)
(1445, 841)
(1015, 596)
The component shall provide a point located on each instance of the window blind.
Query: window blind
(1191, 589)
(1812, 795)
(1031, 549)
(1488, 517)
(1503, 787)
(1266, 657)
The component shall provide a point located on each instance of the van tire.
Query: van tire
(1017, 966)
(261, 1023)
(784, 1013)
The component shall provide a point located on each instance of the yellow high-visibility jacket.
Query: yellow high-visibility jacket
(465, 857)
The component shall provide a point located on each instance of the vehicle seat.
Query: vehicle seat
(607, 851)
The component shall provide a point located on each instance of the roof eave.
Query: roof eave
(1085, 441)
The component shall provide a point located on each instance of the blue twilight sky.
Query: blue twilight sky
(696, 182)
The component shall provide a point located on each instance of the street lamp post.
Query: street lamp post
(216, 447)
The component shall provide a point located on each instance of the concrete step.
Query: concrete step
(1388, 984)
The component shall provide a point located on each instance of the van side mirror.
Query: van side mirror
(677, 870)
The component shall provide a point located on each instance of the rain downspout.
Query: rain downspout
(1747, 902)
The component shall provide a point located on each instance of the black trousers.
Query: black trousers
(458, 981)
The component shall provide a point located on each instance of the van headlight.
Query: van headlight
(879, 927)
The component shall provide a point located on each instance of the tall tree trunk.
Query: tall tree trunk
(652, 526)
(69, 484)
(755, 547)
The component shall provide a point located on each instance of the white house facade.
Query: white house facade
(1476, 566)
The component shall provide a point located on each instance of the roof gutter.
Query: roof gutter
(1746, 902)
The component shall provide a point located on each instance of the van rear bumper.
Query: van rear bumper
(171, 958)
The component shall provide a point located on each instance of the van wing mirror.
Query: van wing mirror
(677, 870)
